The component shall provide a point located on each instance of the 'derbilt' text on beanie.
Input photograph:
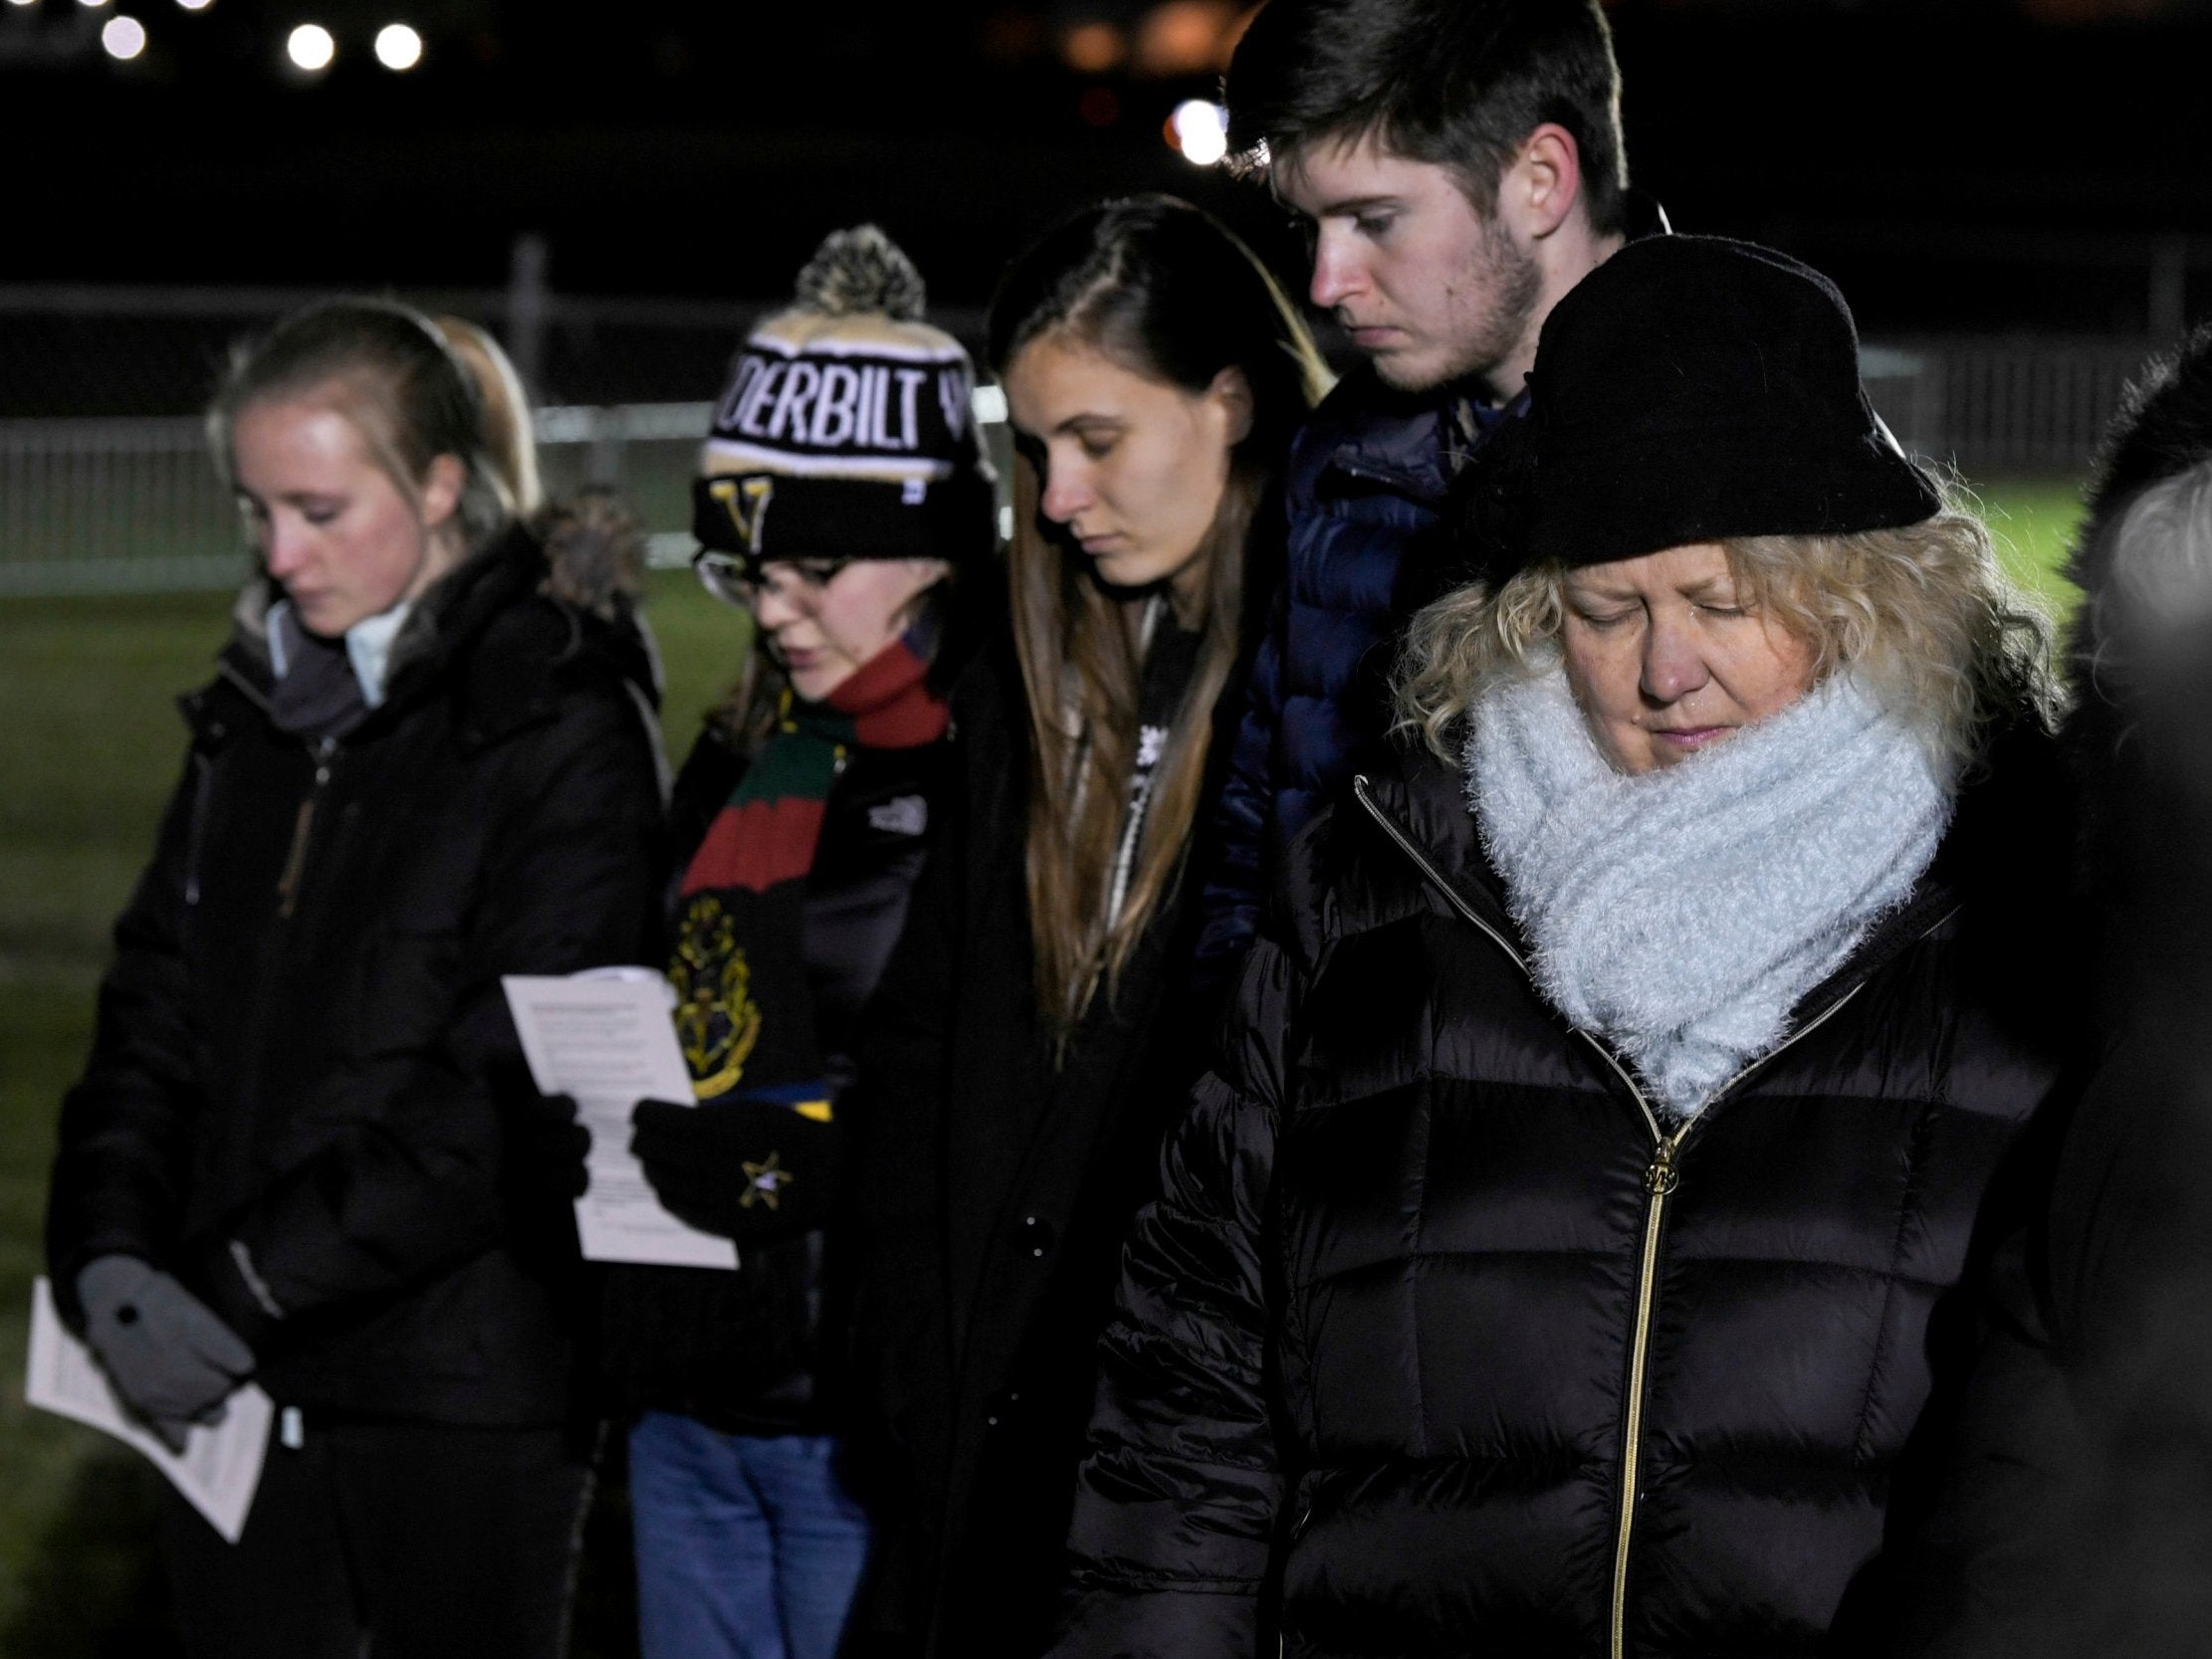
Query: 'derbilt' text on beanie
(845, 431)
(1689, 389)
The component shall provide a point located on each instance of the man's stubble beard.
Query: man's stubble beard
(1512, 284)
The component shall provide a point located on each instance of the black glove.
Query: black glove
(547, 1148)
(170, 1358)
(745, 1169)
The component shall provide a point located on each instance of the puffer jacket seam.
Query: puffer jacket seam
(1861, 1451)
(1414, 1265)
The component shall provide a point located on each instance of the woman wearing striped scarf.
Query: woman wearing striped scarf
(844, 504)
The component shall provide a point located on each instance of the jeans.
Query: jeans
(749, 1546)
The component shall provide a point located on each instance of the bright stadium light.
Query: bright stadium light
(124, 38)
(91, 5)
(398, 48)
(1200, 130)
(195, 5)
(22, 2)
(311, 47)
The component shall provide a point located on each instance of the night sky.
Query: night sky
(1959, 164)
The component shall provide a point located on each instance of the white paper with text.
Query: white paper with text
(220, 1465)
(604, 1039)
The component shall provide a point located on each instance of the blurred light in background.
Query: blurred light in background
(311, 47)
(398, 47)
(195, 5)
(1093, 48)
(1186, 37)
(91, 3)
(22, 2)
(124, 38)
(1200, 130)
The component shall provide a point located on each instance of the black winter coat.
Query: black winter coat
(744, 1350)
(303, 1067)
(996, 1192)
(1432, 1346)
(2075, 1512)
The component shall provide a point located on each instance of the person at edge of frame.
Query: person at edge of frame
(1035, 1026)
(1458, 166)
(2074, 1512)
(1571, 1254)
(845, 503)
(304, 1149)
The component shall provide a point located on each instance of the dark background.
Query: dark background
(1957, 164)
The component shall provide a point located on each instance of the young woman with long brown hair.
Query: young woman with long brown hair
(1036, 1019)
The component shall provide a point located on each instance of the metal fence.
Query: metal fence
(109, 506)
(134, 506)
(2003, 408)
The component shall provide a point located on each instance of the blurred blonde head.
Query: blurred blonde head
(508, 438)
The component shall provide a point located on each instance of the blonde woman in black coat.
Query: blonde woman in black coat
(1560, 1260)
(304, 1151)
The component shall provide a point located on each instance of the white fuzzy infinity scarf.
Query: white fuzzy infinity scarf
(1681, 913)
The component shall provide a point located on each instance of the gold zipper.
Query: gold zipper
(1659, 1182)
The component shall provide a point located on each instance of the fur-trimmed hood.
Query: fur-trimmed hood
(2163, 428)
(2138, 771)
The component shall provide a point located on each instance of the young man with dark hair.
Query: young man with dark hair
(1460, 166)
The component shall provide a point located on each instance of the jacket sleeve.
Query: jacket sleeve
(120, 1162)
(1177, 1503)
(420, 1182)
(898, 1107)
(1236, 874)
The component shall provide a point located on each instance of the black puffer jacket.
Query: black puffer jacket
(742, 1350)
(304, 1063)
(1432, 1346)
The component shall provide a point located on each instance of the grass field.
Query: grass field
(87, 753)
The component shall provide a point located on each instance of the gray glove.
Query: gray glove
(170, 1358)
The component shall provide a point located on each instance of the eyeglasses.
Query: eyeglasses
(741, 580)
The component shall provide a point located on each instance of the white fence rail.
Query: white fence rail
(134, 506)
(106, 505)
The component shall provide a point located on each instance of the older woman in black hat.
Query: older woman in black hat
(1558, 1261)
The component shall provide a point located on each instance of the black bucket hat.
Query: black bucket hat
(1689, 389)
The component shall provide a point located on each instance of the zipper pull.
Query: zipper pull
(1663, 1177)
(295, 864)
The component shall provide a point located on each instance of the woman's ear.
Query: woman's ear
(442, 483)
(1231, 391)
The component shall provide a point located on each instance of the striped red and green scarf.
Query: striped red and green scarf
(744, 1016)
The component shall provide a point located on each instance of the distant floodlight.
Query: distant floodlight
(91, 5)
(1200, 130)
(22, 2)
(311, 47)
(195, 5)
(123, 37)
(398, 47)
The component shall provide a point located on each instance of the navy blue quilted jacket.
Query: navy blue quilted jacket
(1362, 494)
